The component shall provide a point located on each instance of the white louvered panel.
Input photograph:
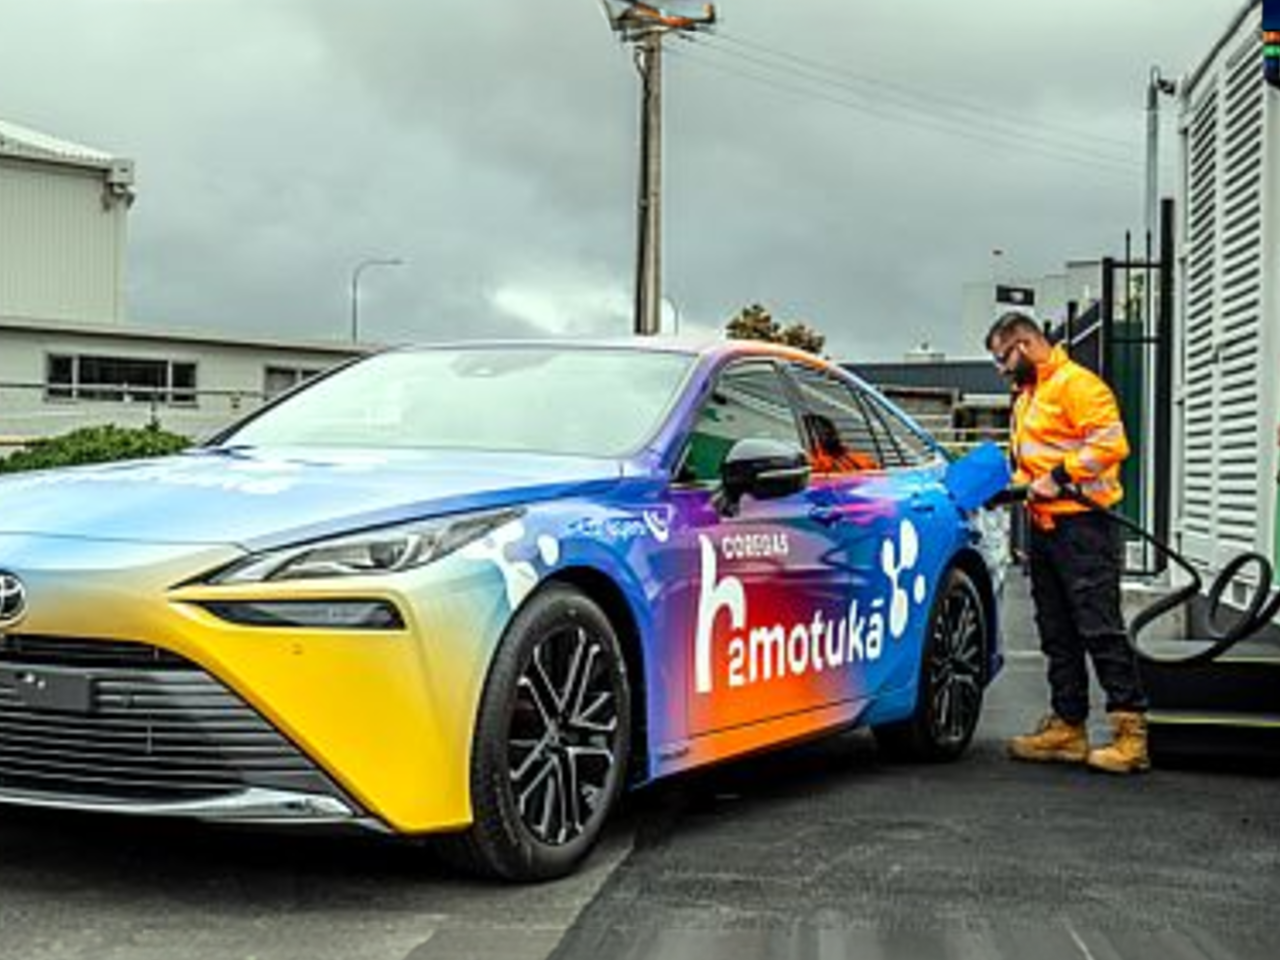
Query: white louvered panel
(1240, 306)
(1201, 232)
(1241, 120)
(1239, 429)
(1242, 218)
(1200, 297)
(1240, 182)
(1223, 307)
(1240, 275)
(1241, 155)
(1243, 225)
(1198, 374)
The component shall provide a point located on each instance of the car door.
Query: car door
(873, 512)
(923, 541)
(759, 616)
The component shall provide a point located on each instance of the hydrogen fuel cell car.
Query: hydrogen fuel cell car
(479, 590)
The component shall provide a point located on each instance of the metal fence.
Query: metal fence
(31, 411)
(1129, 342)
(960, 440)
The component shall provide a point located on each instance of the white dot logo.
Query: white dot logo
(899, 556)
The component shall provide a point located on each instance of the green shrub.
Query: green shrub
(94, 445)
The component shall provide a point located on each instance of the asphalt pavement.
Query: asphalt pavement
(821, 851)
(825, 852)
(105, 888)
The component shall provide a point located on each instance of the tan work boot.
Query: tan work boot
(1055, 741)
(1127, 753)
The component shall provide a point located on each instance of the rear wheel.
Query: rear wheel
(952, 673)
(551, 742)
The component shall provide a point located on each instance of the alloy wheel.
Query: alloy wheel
(564, 734)
(955, 667)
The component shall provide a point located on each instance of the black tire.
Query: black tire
(551, 742)
(952, 679)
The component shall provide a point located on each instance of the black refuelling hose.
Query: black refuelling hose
(1255, 616)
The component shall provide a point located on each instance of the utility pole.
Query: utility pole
(645, 26)
(649, 195)
(1155, 86)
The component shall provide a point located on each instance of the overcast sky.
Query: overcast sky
(822, 157)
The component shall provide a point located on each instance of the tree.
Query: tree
(755, 322)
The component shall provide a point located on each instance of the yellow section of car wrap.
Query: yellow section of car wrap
(388, 714)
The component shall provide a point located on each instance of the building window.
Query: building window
(120, 379)
(60, 378)
(276, 380)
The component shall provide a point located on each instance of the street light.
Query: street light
(669, 301)
(355, 288)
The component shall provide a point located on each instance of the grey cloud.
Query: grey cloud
(492, 146)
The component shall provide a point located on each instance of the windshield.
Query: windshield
(589, 402)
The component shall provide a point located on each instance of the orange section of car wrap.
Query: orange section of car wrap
(766, 735)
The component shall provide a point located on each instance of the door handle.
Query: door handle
(921, 505)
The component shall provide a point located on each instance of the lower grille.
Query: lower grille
(72, 652)
(134, 723)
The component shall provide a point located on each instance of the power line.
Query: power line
(891, 109)
(983, 113)
(1110, 165)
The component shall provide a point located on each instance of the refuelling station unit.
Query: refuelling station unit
(1219, 396)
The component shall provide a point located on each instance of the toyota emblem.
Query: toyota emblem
(13, 599)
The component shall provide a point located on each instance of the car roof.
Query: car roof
(705, 348)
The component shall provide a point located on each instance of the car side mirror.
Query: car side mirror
(765, 469)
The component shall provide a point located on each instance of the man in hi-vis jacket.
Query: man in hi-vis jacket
(1067, 436)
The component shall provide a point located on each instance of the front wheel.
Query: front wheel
(952, 673)
(551, 741)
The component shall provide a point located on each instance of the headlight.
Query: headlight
(385, 550)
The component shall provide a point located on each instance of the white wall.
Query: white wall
(1269, 372)
(230, 379)
(62, 248)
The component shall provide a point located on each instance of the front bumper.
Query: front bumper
(155, 705)
(249, 806)
(130, 728)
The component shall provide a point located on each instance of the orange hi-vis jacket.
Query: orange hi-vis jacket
(1068, 421)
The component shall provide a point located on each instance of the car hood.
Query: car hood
(258, 498)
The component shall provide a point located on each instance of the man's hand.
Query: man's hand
(1044, 487)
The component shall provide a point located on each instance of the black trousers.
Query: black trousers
(1075, 582)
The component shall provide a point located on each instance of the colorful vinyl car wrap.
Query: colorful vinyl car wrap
(158, 596)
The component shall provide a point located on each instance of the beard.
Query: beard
(1023, 373)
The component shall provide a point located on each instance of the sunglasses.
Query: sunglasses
(1001, 359)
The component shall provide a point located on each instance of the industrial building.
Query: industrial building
(69, 354)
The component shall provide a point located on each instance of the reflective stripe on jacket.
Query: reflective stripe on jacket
(1070, 417)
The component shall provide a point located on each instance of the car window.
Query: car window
(900, 443)
(748, 401)
(838, 433)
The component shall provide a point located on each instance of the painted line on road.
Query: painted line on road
(1077, 940)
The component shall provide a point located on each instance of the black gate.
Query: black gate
(1126, 336)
